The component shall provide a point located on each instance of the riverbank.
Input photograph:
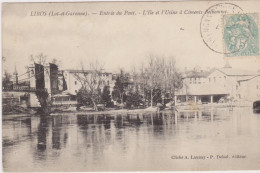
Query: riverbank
(178, 108)
(184, 107)
(107, 111)
(17, 109)
(194, 106)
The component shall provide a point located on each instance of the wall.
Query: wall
(74, 85)
(250, 89)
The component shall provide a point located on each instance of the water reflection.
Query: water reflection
(56, 132)
(103, 140)
(42, 134)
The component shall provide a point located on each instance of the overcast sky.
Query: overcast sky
(116, 41)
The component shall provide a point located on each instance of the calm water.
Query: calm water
(131, 142)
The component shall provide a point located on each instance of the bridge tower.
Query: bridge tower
(51, 78)
(32, 76)
(47, 78)
(34, 102)
(44, 80)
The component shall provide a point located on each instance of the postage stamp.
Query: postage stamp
(240, 35)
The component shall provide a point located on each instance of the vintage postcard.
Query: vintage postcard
(130, 86)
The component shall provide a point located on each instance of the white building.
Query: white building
(73, 84)
(250, 88)
(227, 79)
(222, 82)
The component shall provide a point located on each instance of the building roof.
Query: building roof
(196, 74)
(202, 90)
(236, 72)
(82, 71)
(249, 78)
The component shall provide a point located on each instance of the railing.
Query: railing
(22, 88)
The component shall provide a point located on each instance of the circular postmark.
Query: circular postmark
(211, 25)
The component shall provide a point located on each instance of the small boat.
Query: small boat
(256, 106)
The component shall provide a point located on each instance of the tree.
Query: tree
(91, 82)
(39, 59)
(172, 77)
(6, 81)
(106, 97)
(83, 97)
(121, 84)
(159, 77)
(43, 60)
(155, 96)
(56, 61)
(3, 59)
(152, 74)
(134, 98)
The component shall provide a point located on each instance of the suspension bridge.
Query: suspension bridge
(38, 82)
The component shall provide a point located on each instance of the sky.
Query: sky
(115, 41)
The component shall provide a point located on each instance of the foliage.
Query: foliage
(120, 88)
(83, 97)
(106, 97)
(44, 100)
(6, 81)
(39, 59)
(43, 60)
(134, 98)
(159, 77)
(91, 83)
(156, 96)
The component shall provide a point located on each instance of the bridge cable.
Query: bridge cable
(30, 76)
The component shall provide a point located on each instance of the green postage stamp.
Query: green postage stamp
(241, 35)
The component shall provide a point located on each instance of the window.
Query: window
(75, 82)
(214, 79)
(209, 79)
(190, 80)
(108, 82)
(76, 91)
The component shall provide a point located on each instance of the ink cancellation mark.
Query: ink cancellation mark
(211, 29)
(241, 35)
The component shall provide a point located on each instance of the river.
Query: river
(217, 139)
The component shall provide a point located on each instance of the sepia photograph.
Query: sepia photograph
(130, 86)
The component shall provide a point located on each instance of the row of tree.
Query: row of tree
(153, 82)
